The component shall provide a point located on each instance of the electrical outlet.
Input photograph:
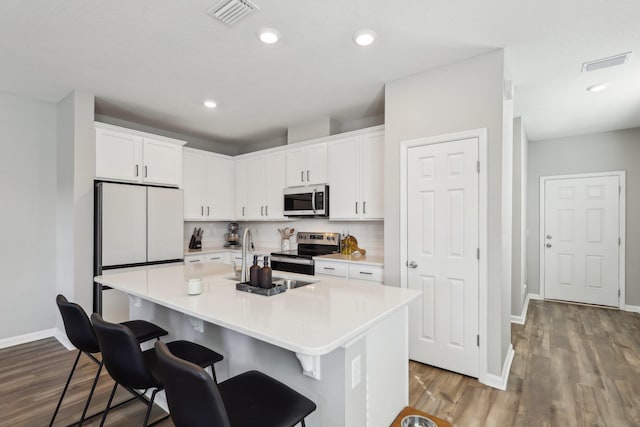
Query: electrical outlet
(356, 372)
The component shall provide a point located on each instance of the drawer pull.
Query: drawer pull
(366, 272)
(329, 268)
(215, 257)
(194, 260)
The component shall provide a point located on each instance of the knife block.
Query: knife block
(195, 242)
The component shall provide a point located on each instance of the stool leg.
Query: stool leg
(55, 413)
(106, 411)
(93, 388)
(153, 397)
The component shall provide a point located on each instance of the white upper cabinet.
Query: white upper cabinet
(306, 165)
(241, 189)
(265, 177)
(127, 155)
(356, 176)
(208, 183)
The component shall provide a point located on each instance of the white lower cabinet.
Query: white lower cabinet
(214, 257)
(350, 270)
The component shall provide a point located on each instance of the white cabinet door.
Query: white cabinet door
(372, 178)
(194, 185)
(316, 164)
(220, 186)
(165, 229)
(241, 189)
(162, 162)
(296, 167)
(276, 176)
(369, 273)
(118, 155)
(329, 268)
(344, 178)
(256, 187)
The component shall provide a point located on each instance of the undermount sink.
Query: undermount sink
(283, 281)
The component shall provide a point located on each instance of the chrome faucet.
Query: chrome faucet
(247, 240)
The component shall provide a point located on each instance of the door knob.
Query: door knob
(412, 264)
(548, 245)
(549, 236)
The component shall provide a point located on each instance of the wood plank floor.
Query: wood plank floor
(574, 366)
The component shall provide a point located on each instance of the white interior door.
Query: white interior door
(443, 237)
(581, 230)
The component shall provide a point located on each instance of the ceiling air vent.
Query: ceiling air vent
(611, 61)
(231, 11)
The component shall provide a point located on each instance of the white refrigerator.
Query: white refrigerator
(134, 226)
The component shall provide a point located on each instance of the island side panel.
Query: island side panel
(242, 353)
(388, 369)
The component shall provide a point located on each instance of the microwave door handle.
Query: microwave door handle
(313, 201)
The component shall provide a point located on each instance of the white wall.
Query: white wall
(76, 172)
(519, 262)
(28, 215)
(600, 152)
(457, 97)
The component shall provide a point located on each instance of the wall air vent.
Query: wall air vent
(611, 61)
(231, 11)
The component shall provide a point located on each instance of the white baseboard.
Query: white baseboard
(23, 339)
(520, 320)
(634, 308)
(500, 382)
(61, 336)
(535, 296)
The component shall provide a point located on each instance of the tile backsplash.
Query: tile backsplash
(370, 234)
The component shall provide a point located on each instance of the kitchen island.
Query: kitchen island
(341, 343)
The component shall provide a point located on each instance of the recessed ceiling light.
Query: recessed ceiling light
(364, 37)
(598, 87)
(269, 35)
(210, 103)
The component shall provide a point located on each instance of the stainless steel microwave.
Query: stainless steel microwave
(312, 200)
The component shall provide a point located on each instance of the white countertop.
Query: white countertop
(312, 320)
(377, 260)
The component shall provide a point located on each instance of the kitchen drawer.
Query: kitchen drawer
(371, 273)
(193, 259)
(218, 257)
(327, 268)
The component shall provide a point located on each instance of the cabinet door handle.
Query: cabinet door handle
(308, 179)
(243, 211)
(145, 172)
(328, 268)
(137, 170)
(356, 207)
(364, 207)
(208, 210)
(366, 272)
(201, 210)
(266, 210)
(261, 210)
(301, 176)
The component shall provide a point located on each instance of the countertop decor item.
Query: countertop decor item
(285, 235)
(196, 239)
(350, 246)
(246, 287)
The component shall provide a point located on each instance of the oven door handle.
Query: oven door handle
(292, 260)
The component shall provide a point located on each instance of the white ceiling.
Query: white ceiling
(154, 61)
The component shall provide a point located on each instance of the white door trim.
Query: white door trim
(621, 224)
(481, 134)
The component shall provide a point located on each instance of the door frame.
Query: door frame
(621, 227)
(483, 295)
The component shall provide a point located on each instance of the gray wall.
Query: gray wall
(466, 95)
(601, 152)
(519, 261)
(28, 215)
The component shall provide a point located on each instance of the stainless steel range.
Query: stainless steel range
(309, 245)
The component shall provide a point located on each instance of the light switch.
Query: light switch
(356, 372)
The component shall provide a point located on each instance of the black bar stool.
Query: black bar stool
(80, 332)
(249, 399)
(134, 369)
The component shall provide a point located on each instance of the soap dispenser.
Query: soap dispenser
(265, 276)
(254, 272)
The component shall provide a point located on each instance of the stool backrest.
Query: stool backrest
(122, 355)
(77, 326)
(193, 396)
